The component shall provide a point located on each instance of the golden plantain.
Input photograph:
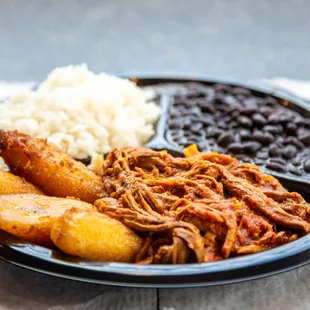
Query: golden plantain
(48, 167)
(95, 236)
(31, 217)
(12, 184)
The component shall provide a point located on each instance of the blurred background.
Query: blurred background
(240, 39)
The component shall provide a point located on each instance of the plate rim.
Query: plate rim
(130, 278)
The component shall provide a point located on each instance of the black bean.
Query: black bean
(216, 132)
(242, 157)
(262, 155)
(187, 124)
(273, 128)
(235, 148)
(307, 165)
(276, 167)
(248, 110)
(241, 98)
(295, 170)
(245, 121)
(174, 124)
(174, 116)
(230, 100)
(274, 150)
(289, 151)
(252, 101)
(302, 132)
(207, 108)
(266, 111)
(263, 137)
(246, 159)
(196, 127)
(181, 141)
(233, 109)
(258, 161)
(273, 119)
(295, 161)
(252, 146)
(217, 114)
(186, 133)
(299, 120)
(207, 120)
(210, 132)
(222, 124)
(176, 133)
(194, 94)
(235, 114)
(203, 145)
(305, 138)
(199, 134)
(291, 128)
(196, 119)
(227, 119)
(241, 91)
(234, 124)
(202, 133)
(195, 111)
(224, 109)
(189, 112)
(179, 102)
(222, 88)
(225, 138)
(245, 133)
(284, 118)
(279, 141)
(193, 139)
(174, 111)
(181, 108)
(294, 141)
(259, 119)
(278, 160)
(270, 101)
(219, 99)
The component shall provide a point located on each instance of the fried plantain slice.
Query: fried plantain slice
(95, 236)
(48, 167)
(12, 184)
(31, 217)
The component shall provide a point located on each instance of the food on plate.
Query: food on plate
(95, 236)
(31, 217)
(48, 167)
(12, 184)
(83, 113)
(234, 120)
(201, 208)
(150, 207)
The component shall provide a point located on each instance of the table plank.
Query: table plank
(24, 289)
(286, 291)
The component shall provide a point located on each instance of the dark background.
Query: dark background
(242, 39)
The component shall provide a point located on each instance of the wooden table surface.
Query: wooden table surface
(26, 290)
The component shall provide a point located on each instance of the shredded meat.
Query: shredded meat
(201, 208)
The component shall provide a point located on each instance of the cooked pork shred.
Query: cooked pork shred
(201, 208)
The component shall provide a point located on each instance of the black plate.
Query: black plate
(274, 261)
(249, 267)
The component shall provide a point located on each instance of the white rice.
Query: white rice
(83, 113)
